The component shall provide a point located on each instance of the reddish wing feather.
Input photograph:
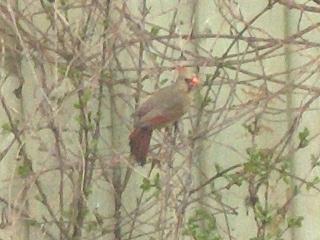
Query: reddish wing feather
(158, 121)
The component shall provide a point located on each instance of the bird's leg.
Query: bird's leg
(172, 132)
(168, 146)
(176, 129)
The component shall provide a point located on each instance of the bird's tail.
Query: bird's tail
(139, 143)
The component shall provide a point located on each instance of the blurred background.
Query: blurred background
(242, 164)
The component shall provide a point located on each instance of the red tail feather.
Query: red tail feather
(139, 144)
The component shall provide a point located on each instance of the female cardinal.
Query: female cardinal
(163, 107)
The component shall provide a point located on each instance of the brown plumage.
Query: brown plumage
(163, 107)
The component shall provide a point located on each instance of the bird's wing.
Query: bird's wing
(163, 107)
(161, 115)
(154, 118)
(150, 104)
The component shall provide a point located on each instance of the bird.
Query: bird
(165, 106)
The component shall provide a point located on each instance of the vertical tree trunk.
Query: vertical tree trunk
(18, 166)
(290, 116)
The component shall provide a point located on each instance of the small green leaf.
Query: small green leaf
(146, 185)
(156, 181)
(6, 127)
(88, 191)
(38, 198)
(155, 30)
(106, 23)
(235, 178)
(32, 222)
(295, 222)
(263, 214)
(305, 133)
(303, 138)
(67, 214)
(24, 170)
(207, 101)
(86, 96)
(18, 92)
(202, 226)
(77, 105)
(217, 167)
(313, 183)
(92, 226)
(209, 77)
(63, 2)
(163, 81)
(79, 120)
(314, 161)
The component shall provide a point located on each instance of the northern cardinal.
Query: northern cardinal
(163, 107)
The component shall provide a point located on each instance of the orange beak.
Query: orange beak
(195, 81)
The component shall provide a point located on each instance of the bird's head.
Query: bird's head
(186, 79)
